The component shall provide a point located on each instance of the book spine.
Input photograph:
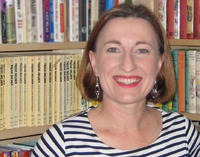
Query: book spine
(1, 95)
(46, 89)
(3, 21)
(94, 12)
(102, 7)
(61, 20)
(170, 19)
(181, 80)
(25, 89)
(51, 89)
(190, 19)
(196, 19)
(78, 60)
(65, 85)
(10, 22)
(192, 78)
(19, 21)
(61, 88)
(175, 99)
(183, 19)
(198, 82)
(88, 19)
(51, 12)
(56, 21)
(37, 114)
(75, 103)
(162, 13)
(28, 23)
(68, 85)
(3, 82)
(39, 10)
(46, 20)
(109, 4)
(33, 21)
(186, 81)
(71, 84)
(177, 19)
(16, 92)
(0, 26)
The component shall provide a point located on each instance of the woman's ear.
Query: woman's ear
(93, 62)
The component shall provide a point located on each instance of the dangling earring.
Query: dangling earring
(97, 88)
(154, 90)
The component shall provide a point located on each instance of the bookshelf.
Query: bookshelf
(28, 133)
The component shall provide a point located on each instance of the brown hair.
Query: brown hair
(166, 82)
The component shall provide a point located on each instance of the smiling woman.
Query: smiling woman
(126, 64)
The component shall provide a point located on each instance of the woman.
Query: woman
(127, 63)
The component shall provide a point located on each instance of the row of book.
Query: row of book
(18, 149)
(39, 89)
(29, 21)
(180, 18)
(187, 70)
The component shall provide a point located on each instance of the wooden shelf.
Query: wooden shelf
(20, 133)
(41, 46)
(185, 42)
(191, 116)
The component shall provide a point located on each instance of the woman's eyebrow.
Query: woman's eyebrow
(143, 42)
(113, 42)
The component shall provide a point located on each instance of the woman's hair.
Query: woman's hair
(166, 81)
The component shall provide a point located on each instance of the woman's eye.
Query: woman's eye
(113, 49)
(143, 51)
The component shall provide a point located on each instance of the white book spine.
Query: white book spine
(19, 21)
(39, 13)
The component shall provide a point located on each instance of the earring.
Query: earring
(97, 88)
(154, 91)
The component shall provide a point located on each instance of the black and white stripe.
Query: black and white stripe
(75, 137)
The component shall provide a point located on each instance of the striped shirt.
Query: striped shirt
(75, 137)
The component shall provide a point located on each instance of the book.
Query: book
(186, 81)
(102, 7)
(192, 81)
(109, 4)
(190, 19)
(82, 20)
(1, 94)
(16, 92)
(46, 20)
(39, 21)
(175, 61)
(181, 80)
(27, 21)
(5, 152)
(94, 12)
(21, 91)
(0, 26)
(25, 90)
(51, 20)
(183, 19)
(162, 13)
(10, 22)
(3, 21)
(34, 29)
(196, 19)
(15, 152)
(170, 19)
(51, 90)
(88, 18)
(73, 21)
(177, 19)
(9, 92)
(58, 21)
(30, 143)
(46, 89)
(19, 21)
(198, 81)
(61, 87)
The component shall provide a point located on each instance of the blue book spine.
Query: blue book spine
(46, 18)
(51, 20)
(175, 60)
(187, 89)
(110, 4)
(165, 106)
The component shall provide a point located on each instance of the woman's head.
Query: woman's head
(86, 79)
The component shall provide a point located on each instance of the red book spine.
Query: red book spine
(181, 80)
(170, 19)
(183, 19)
(196, 19)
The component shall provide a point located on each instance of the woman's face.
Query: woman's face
(126, 60)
